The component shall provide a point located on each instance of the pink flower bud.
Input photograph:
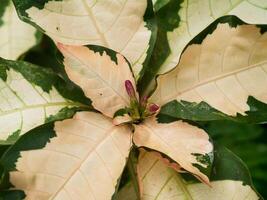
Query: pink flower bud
(153, 108)
(130, 89)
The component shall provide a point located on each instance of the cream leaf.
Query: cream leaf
(84, 160)
(178, 140)
(196, 15)
(160, 182)
(118, 25)
(101, 79)
(229, 66)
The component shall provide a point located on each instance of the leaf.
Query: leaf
(223, 71)
(30, 96)
(101, 78)
(174, 111)
(127, 192)
(82, 22)
(12, 195)
(79, 158)
(183, 110)
(161, 182)
(158, 4)
(195, 16)
(16, 37)
(167, 19)
(180, 141)
(246, 141)
(132, 170)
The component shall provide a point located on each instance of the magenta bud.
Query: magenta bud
(153, 108)
(130, 89)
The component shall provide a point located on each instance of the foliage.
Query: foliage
(149, 99)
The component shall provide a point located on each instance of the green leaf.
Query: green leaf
(227, 166)
(4, 179)
(16, 37)
(64, 113)
(31, 95)
(12, 195)
(183, 110)
(158, 4)
(246, 141)
(4, 4)
(132, 167)
(166, 19)
(3, 148)
(177, 110)
(151, 24)
(258, 110)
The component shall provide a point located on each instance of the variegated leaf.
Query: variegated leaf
(118, 25)
(82, 160)
(101, 78)
(229, 66)
(179, 140)
(160, 182)
(16, 37)
(196, 15)
(28, 98)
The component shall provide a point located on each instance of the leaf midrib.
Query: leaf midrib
(174, 96)
(109, 130)
(41, 106)
(9, 10)
(97, 74)
(90, 14)
(182, 185)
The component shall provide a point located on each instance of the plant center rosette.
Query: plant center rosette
(138, 110)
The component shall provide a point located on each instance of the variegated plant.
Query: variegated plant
(71, 134)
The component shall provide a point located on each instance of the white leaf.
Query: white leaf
(160, 182)
(83, 161)
(178, 140)
(16, 37)
(197, 15)
(24, 105)
(223, 71)
(117, 25)
(101, 79)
